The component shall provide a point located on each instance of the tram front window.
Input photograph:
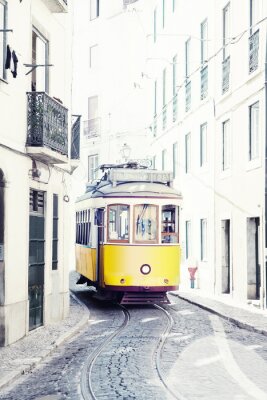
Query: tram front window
(169, 224)
(118, 222)
(145, 223)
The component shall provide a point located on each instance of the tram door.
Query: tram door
(36, 259)
(99, 216)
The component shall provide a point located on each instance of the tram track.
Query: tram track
(158, 354)
(86, 381)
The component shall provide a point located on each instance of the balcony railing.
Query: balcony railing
(164, 117)
(155, 126)
(75, 137)
(187, 96)
(204, 82)
(225, 74)
(174, 107)
(254, 51)
(91, 128)
(57, 6)
(47, 123)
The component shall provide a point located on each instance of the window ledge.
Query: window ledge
(253, 164)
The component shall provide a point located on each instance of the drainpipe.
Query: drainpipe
(265, 205)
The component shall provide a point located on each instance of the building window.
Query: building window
(170, 224)
(174, 89)
(204, 41)
(203, 144)
(188, 245)
(203, 239)
(3, 37)
(155, 25)
(254, 36)
(83, 228)
(94, 9)
(92, 125)
(163, 14)
(93, 56)
(253, 15)
(226, 31)
(226, 145)
(40, 75)
(173, 5)
(92, 167)
(118, 222)
(175, 159)
(55, 233)
(187, 58)
(254, 131)
(163, 159)
(164, 106)
(187, 153)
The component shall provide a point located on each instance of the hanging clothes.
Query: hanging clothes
(8, 57)
(14, 64)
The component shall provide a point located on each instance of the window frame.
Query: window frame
(129, 223)
(94, 13)
(155, 241)
(204, 41)
(188, 239)
(43, 70)
(226, 145)
(254, 137)
(203, 239)
(226, 30)
(175, 159)
(203, 144)
(93, 61)
(188, 152)
(175, 233)
(94, 173)
(3, 72)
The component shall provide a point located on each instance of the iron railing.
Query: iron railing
(174, 107)
(47, 123)
(254, 51)
(75, 137)
(188, 96)
(91, 128)
(204, 82)
(164, 117)
(155, 126)
(225, 74)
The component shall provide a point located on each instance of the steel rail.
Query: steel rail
(86, 382)
(158, 353)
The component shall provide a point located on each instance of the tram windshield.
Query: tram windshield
(145, 223)
(118, 222)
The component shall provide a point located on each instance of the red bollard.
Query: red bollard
(192, 271)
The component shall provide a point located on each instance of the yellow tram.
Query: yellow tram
(127, 233)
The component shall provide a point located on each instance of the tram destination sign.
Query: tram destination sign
(141, 175)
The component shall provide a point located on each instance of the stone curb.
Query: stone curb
(240, 324)
(13, 375)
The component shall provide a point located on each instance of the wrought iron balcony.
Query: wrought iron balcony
(164, 117)
(155, 125)
(204, 82)
(188, 96)
(225, 74)
(57, 6)
(174, 107)
(254, 51)
(91, 128)
(75, 137)
(47, 122)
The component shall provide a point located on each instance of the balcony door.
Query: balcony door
(40, 58)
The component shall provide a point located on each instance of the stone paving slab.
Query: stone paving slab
(17, 358)
(255, 320)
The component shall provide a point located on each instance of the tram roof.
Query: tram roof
(131, 189)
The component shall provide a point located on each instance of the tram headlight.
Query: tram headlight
(145, 269)
(166, 281)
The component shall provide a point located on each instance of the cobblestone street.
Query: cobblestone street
(202, 357)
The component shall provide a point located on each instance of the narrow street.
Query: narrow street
(178, 352)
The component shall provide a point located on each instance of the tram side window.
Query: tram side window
(170, 224)
(118, 222)
(83, 227)
(145, 223)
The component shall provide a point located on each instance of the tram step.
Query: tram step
(144, 298)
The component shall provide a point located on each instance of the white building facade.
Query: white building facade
(198, 104)
(36, 147)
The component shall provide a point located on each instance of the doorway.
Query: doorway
(253, 266)
(226, 251)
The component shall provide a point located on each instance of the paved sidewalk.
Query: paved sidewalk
(26, 353)
(254, 320)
